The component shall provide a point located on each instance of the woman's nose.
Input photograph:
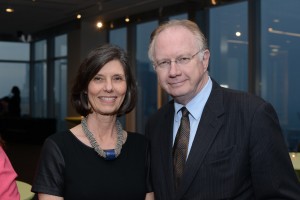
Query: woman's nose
(108, 86)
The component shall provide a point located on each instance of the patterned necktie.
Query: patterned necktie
(181, 146)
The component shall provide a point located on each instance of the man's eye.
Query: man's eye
(164, 62)
(183, 59)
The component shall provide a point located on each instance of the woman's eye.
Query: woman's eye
(118, 78)
(98, 78)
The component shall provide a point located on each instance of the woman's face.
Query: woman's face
(107, 90)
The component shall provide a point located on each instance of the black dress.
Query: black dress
(73, 170)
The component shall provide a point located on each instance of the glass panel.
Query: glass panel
(60, 88)
(40, 90)
(15, 74)
(14, 51)
(280, 36)
(40, 49)
(119, 37)
(146, 76)
(60, 45)
(228, 42)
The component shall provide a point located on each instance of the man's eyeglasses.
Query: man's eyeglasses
(180, 61)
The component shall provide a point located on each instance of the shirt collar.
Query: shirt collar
(193, 105)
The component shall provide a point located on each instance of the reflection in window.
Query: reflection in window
(280, 36)
(228, 42)
(146, 76)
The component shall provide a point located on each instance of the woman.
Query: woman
(97, 159)
(8, 186)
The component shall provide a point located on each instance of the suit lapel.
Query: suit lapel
(208, 127)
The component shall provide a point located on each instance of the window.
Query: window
(14, 71)
(60, 92)
(39, 104)
(60, 45)
(39, 108)
(50, 79)
(280, 36)
(15, 51)
(228, 43)
(146, 76)
(179, 16)
(119, 37)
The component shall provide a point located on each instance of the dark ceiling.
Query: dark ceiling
(32, 16)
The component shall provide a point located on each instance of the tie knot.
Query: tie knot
(185, 112)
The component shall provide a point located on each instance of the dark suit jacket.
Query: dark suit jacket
(238, 152)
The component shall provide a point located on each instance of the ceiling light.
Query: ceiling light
(127, 19)
(99, 24)
(9, 10)
(213, 2)
(78, 16)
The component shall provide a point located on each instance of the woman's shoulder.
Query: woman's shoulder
(59, 137)
(60, 134)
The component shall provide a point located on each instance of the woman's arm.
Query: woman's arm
(8, 186)
(49, 197)
(149, 196)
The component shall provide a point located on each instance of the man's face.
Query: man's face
(181, 80)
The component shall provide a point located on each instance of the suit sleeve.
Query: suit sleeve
(272, 172)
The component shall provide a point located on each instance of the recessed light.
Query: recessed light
(99, 24)
(9, 10)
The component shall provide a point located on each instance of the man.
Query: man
(235, 146)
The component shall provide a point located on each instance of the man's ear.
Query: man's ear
(205, 60)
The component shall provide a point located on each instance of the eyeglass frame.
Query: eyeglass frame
(183, 59)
